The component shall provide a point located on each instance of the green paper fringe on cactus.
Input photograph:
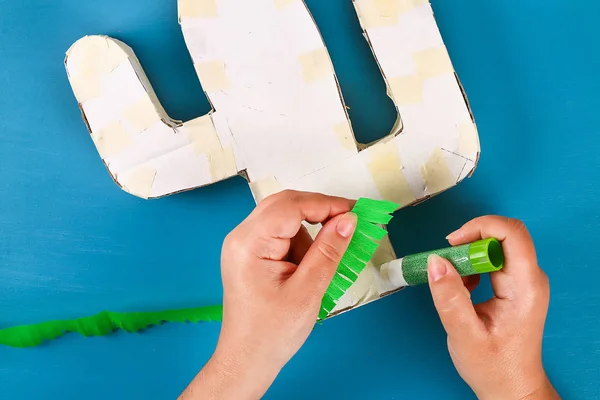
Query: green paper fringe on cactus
(104, 323)
(364, 243)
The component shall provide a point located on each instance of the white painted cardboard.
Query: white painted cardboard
(278, 115)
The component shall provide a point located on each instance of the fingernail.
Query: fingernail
(437, 267)
(346, 225)
(453, 235)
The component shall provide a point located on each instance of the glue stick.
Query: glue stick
(475, 258)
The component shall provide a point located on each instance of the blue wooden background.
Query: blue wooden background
(72, 243)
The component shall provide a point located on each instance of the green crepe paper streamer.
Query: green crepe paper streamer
(102, 324)
(347, 272)
(341, 282)
(361, 249)
(363, 245)
(371, 231)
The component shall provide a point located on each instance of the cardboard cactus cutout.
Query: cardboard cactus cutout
(278, 115)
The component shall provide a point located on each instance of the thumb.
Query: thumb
(318, 266)
(452, 300)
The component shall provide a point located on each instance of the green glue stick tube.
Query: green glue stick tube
(479, 257)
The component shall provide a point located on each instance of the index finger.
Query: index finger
(516, 241)
(281, 215)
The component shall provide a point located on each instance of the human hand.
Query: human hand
(274, 278)
(496, 346)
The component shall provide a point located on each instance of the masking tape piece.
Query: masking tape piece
(111, 139)
(316, 65)
(264, 188)
(222, 164)
(386, 168)
(313, 230)
(201, 132)
(384, 253)
(212, 75)
(141, 115)
(85, 89)
(468, 140)
(280, 4)
(343, 133)
(197, 9)
(138, 181)
(436, 173)
(407, 90)
(433, 62)
(378, 13)
(93, 57)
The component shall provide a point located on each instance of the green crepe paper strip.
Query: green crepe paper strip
(103, 323)
(362, 247)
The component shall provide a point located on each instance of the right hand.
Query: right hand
(496, 346)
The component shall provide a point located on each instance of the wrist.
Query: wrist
(545, 392)
(235, 375)
(533, 386)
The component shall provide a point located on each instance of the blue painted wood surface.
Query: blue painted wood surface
(72, 244)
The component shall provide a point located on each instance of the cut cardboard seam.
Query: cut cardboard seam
(456, 154)
(436, 173)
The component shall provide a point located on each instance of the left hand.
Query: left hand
(274, 278)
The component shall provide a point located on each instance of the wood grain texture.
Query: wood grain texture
(71, 243)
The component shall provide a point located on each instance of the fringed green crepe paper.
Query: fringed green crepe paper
(364, 243)
(103, 324)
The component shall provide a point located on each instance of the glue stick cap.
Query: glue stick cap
(486, 255)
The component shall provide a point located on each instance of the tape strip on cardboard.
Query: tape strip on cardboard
(378, 13)
(92, 57)
(138, 181)
(433, 62)
(281, 4)
(343, 133)
(406, 90)
(386, 168)
(436, 173)
(222, 164)
(202, 134)
(141, 115)
(197, 9)
(264, 188)
(112, 139)
(212, 75)
(204, 138)
(85, 89)
(468, 140)
(88, 61)
(316, 65)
